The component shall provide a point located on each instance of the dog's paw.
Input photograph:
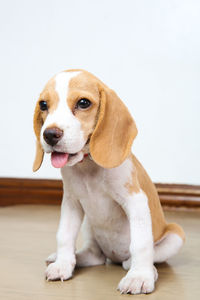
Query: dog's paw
(51, 258)
(138, 282)
(59, 270)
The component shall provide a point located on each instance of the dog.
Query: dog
(89, 132)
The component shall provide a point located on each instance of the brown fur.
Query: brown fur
(50, 96)
(81, 87)
(133, 185)
(113, 135)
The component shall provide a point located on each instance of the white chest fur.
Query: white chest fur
(91, 186)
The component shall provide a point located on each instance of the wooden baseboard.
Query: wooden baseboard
(30, 191)
(41, 191)
(179, 195)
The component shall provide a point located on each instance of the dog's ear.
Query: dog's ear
(37, 124)
(38, 157)
(111, 141)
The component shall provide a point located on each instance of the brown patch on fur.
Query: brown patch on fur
(50, 96)
(159, 226)
(84, 86)
(114, 133)
(39, 157)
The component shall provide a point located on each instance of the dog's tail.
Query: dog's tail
(170, 243)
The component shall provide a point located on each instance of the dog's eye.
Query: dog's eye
(43, 105)
(83, 103)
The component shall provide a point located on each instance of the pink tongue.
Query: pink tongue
(58, 160)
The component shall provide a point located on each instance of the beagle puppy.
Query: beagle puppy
(89, 133)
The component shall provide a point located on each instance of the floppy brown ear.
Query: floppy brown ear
(38, 157)
(37, 124)
(111, 141)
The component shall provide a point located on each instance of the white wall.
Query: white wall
(148, 51)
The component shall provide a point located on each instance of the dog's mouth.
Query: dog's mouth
(60, 159)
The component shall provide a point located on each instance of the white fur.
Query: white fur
(70, 222)
(140, 278)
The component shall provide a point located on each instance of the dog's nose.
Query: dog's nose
(52, 135)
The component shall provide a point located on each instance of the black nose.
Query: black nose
(52, 135)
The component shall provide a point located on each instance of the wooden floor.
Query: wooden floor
(27, 237)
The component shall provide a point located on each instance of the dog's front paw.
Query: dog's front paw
(60, 270)
(137, 282)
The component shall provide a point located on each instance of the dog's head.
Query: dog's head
(75, 114)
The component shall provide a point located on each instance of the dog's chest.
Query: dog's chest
(108, 220)
(91, 189)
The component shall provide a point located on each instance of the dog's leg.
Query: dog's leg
(70, 221)
(90, 254)
(141, 276)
